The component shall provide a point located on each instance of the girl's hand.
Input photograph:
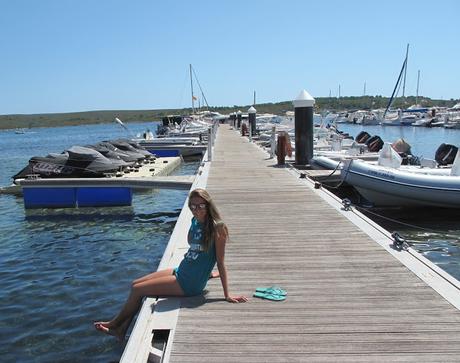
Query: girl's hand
(236, 299)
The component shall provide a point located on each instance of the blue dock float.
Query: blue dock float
(74, 197)
(93, 192)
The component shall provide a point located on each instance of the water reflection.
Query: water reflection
(434, 232)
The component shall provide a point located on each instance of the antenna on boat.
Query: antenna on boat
(254, 103)
(418, 80)
(191, 87)
(118, 121)
(199, 85)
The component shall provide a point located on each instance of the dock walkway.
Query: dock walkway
(349, 300)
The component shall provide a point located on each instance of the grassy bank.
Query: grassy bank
(95, 117)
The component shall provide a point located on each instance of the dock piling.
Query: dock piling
(303, 107)
(252, 121)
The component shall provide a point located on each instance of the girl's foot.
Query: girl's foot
(214, 274)
(105, 327)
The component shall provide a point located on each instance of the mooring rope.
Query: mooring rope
(366, 210)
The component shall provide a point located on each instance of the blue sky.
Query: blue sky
(80, 55)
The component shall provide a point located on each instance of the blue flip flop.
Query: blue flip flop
(267, 296)
(274, 290)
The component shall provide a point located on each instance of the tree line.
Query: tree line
(323, 104)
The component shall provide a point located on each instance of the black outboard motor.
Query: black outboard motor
(374, 143)
(446, 154)
(362, 137)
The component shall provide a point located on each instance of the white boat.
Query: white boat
(452, 120)
(404, 187)
(391, 119)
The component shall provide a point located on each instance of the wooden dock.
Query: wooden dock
(349, 299)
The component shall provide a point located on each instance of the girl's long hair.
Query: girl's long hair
(213, 218)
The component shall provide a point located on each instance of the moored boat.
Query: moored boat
(388, 186)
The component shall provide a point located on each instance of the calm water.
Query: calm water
(62, 269)
(434, 232)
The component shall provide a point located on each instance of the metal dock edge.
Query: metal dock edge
(158, 316)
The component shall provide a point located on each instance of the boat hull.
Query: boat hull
(393, 187)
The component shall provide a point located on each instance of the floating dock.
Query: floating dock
(115, 190)
(351, 296)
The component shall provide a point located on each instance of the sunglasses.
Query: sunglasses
(195, 207)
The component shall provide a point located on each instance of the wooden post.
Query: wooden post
(303, 107)
(238, 117)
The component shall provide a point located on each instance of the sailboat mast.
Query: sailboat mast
(390, 102)
(405, 70)
(418, 80)
(191, 87)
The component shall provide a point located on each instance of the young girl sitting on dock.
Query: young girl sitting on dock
(207, 237)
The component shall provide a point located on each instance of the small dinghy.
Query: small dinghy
(389, 184)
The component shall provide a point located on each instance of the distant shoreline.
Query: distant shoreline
(107, 116)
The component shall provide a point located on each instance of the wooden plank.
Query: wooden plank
(348, 300)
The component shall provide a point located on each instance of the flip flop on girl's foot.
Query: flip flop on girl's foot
(274, 290)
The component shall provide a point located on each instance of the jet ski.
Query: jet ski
(76, 162)
(137, 147)
(127, 148)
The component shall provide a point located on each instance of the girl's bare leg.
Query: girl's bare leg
(159, 286)
(154, 275)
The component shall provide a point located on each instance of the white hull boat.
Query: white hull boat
(386, 186)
